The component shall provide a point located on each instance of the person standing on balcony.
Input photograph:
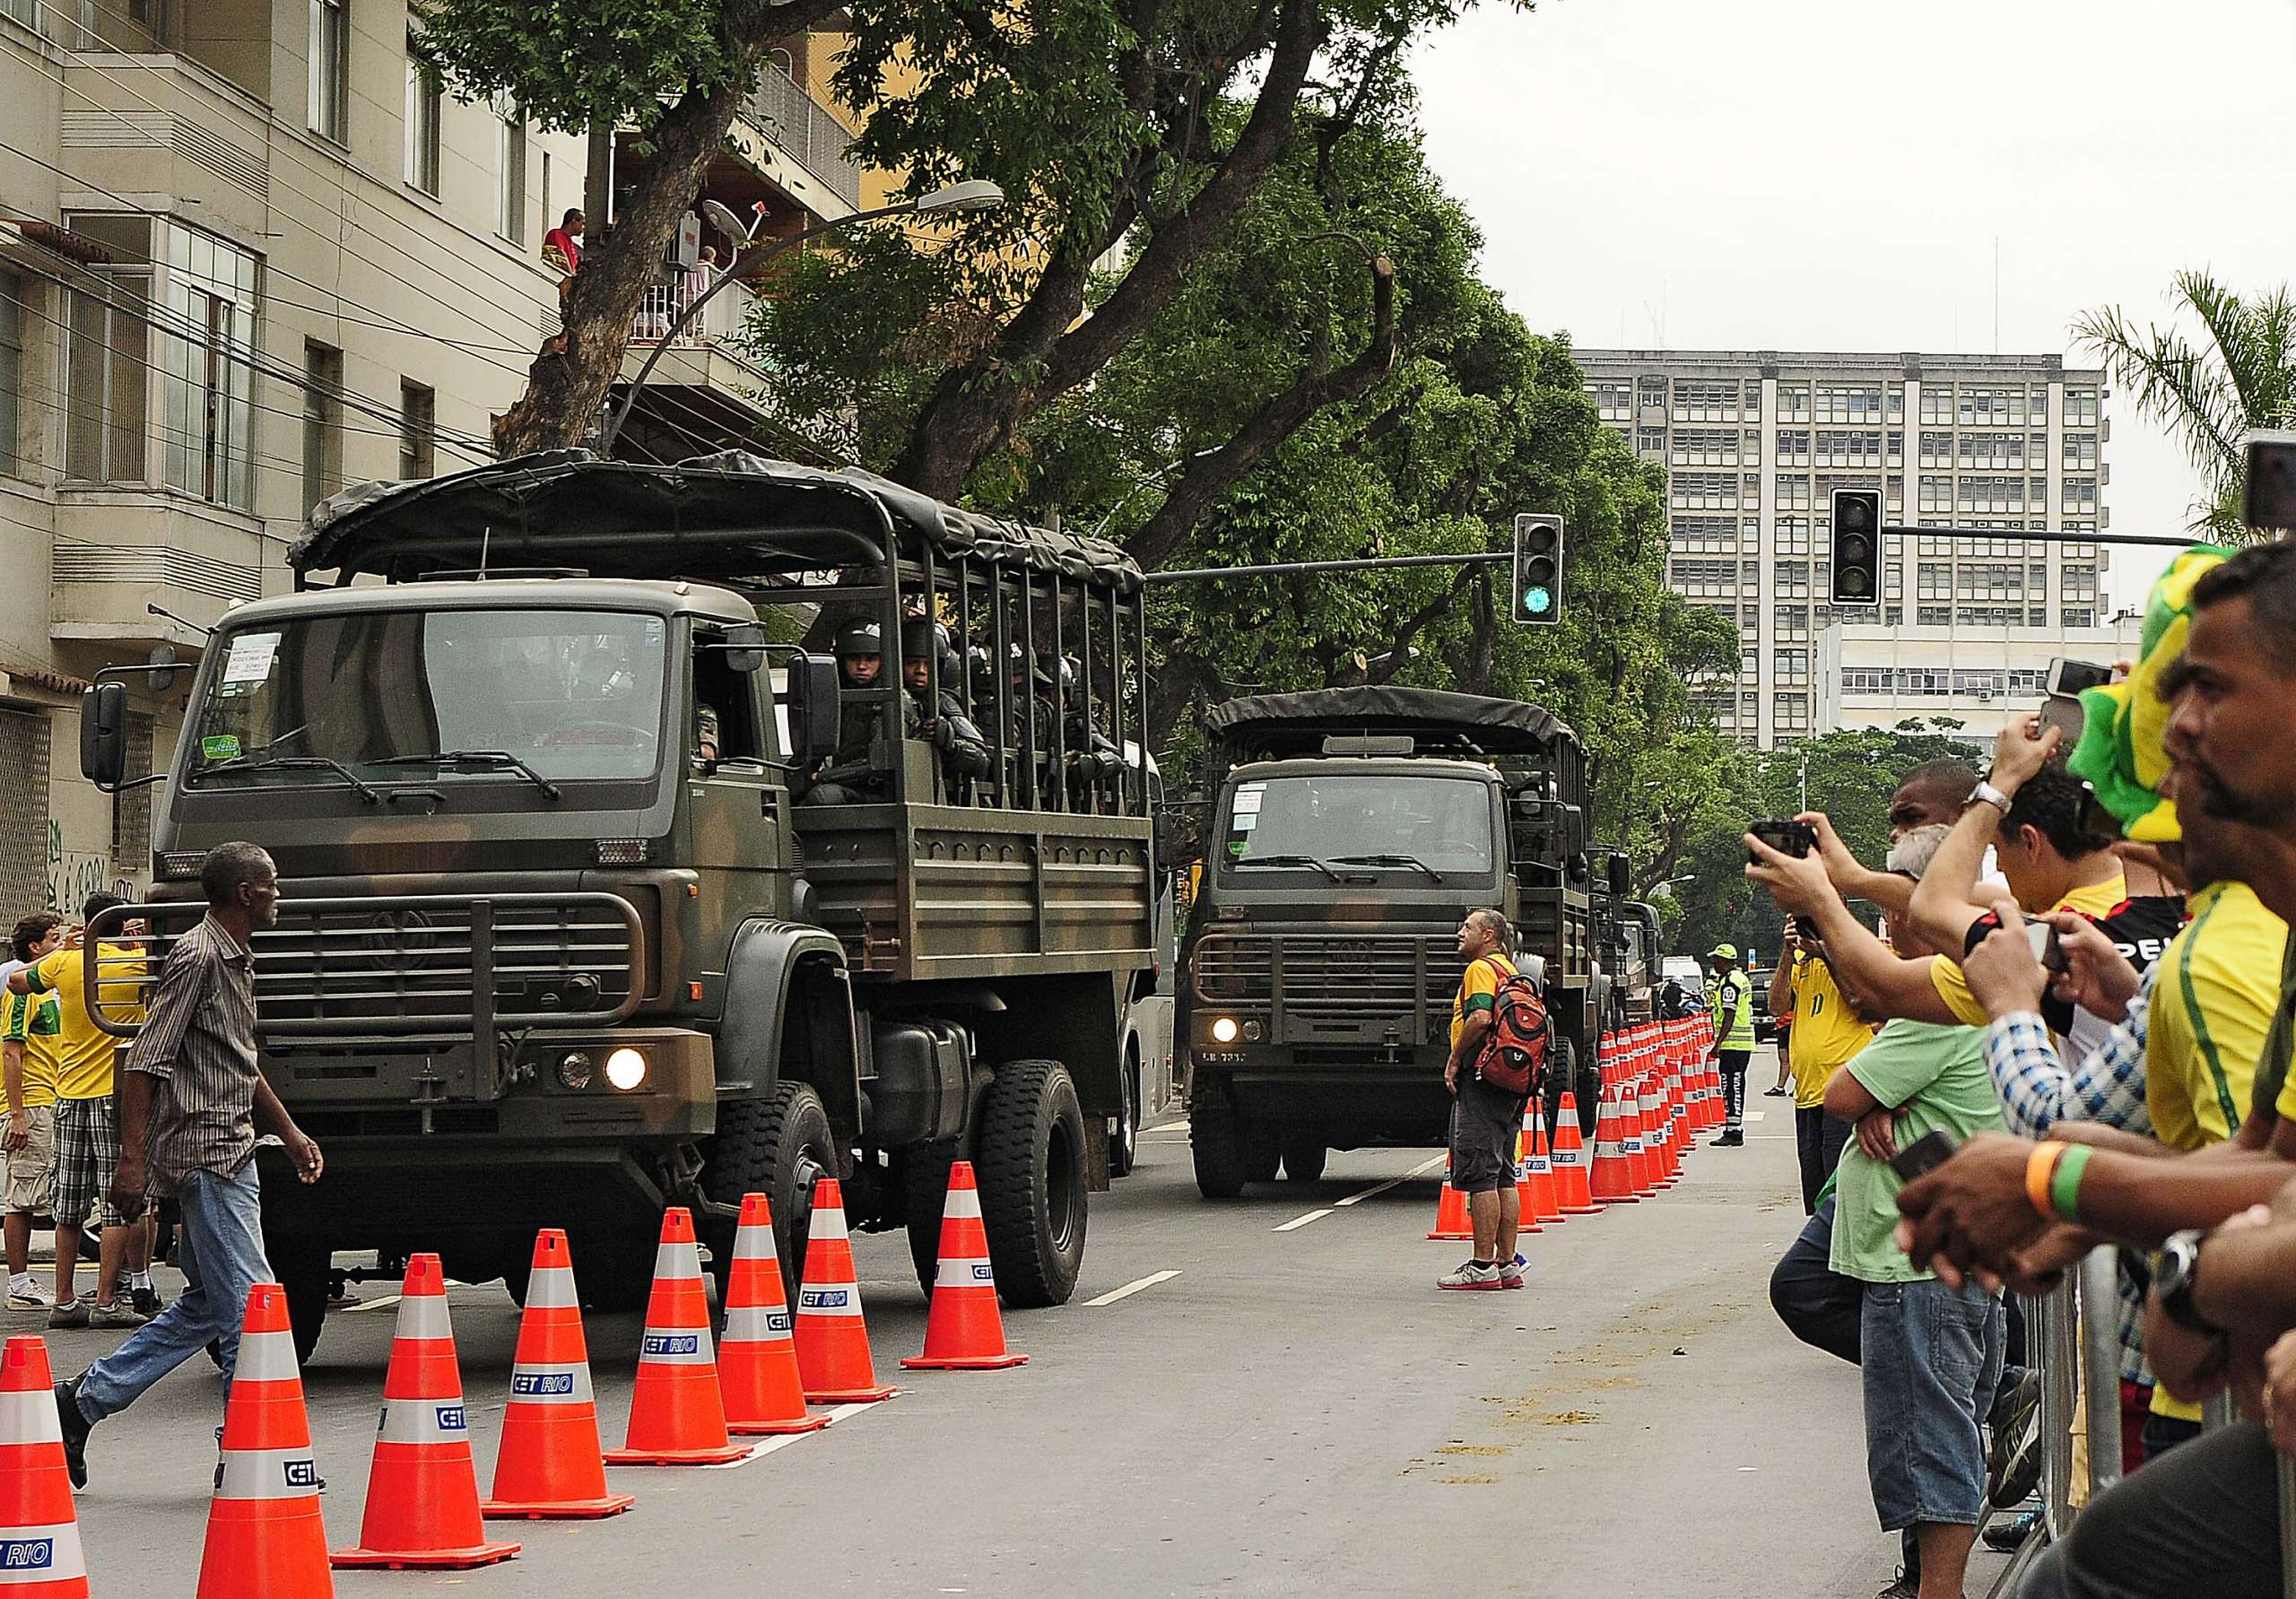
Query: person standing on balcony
(561, 252)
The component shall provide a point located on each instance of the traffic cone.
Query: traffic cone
(40, 1557)
(422, 1490)
(1537, 1186)
(677, 1417)
(1573, 1194)
(832, 1341)
(1657, 1137)
(963, 1331)
(757, 1364)
(1526, 1219)
(550, 1466)
(1451, 1219)
(266, 1537)
(1633, 1135)
(1612, 1179)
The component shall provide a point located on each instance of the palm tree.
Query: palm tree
(2208, 395)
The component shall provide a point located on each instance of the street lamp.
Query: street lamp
(974, 194)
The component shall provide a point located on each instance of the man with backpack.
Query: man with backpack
(1499, 1042)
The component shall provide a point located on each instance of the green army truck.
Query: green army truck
(1351, 831)
(561, 942)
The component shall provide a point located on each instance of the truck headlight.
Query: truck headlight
(574, 1069)
(625, 1069)
(1225, 1030)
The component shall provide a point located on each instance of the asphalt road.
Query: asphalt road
(1280, 1412)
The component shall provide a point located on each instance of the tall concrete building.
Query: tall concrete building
(251, 252)
(1756, 441)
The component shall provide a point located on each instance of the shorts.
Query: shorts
(1483, 1125)
(31, 1169)
(87, 1154)
(1931, 1359)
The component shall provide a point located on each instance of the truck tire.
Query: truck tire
(779, 1146)
(1303, 1157)
(1124, 1143)
(1262, 1152)
(1030, 1151)
(925, 1191)
(304, 1268)
(613, 1274)
(1215, 1139)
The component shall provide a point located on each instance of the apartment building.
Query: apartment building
(1975, 677)
(248, 254)
(1756, 441)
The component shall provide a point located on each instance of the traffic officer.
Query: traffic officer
(1734, 1036)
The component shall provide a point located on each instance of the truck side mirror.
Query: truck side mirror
(1621, 876)
(745, 647)
(812, 708)
(103, 733)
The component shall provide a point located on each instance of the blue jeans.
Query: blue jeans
(1931, 1357)
(221, 1251)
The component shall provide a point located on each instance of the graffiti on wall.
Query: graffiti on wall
(73, 874)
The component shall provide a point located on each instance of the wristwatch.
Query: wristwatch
(1986, 794)
(2175, 1268)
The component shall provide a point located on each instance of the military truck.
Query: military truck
(1350, 831)
(561, 942)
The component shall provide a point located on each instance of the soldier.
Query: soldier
(963, 752)
(857, 772)
(1091, 756)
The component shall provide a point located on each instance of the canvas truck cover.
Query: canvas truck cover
(1276, 726)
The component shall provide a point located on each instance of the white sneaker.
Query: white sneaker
(30, 1295)
(1511, 1273)
(1471, 1276)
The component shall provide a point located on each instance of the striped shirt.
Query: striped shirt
(199, 1043)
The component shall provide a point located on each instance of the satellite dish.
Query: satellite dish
(725, 221)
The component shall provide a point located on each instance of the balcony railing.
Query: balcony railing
(806, 130)
(721, 321)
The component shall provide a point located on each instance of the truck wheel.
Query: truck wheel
(1215, 1139)
(613, 1274)
(1030, 1155)
(1124, 1143)
(1263, 1152)
(779, 1146)
(302, 1267)
(1303, 1158)
(925, 1192)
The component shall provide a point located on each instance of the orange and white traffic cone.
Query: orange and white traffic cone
(677, 1416)
(550, 1466)
(1658, 1130)
(1574, 1195)
(266, 1537)
(757, 1360)
(1612, 1179)
(422, 1490)
(1536, 1184)
(40, 1557)
(963, 1330)
(1451, 1218)
(832, 1338)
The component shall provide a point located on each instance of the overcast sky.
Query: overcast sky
(1834, 175)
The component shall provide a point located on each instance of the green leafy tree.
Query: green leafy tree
(2208, 394)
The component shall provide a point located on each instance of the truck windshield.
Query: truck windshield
(570, 695)
(1444, 824)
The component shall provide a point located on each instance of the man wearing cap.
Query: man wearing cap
(1733, 1036)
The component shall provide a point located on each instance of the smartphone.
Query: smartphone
(1924, 1155)
(1785, 835)
(2067, 678)
(2063, 712)
(2047, 948)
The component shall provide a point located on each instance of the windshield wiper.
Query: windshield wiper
(319, 763)
(1390, 858)
(1290, 860)
(495, 758)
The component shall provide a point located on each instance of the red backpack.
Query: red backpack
(1515, 1050)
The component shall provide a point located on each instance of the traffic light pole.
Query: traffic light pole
(2043, 535)
(1367, 563)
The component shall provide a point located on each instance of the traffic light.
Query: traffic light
(1538, 595)
(1857, 547)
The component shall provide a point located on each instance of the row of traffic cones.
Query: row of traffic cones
(1551, 1176)
(266, 1536)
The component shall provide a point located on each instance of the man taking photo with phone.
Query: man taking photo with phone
(1828, 1034)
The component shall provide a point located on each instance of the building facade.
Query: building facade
(1977, 678)
(1756, 441)
(250, 253)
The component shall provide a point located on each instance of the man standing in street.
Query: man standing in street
(1733, 1037)
(1483, 1120)
(1828, 1034)
(192, 1100)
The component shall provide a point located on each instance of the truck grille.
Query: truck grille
(1335, 986)
(1233, 969)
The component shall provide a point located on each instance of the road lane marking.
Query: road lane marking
(766, 1446)
(1421, 1169)
(385, 1303)
(1298, 1222)
(1129, 1289)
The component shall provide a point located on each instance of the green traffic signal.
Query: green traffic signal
(1537, 601)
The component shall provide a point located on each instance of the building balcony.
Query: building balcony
(705, 392)
(797, 142)
(171, 133)
(121, 550)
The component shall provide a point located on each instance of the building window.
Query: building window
(2079, 407)
(1982, 684)
(423, 107)
(1848, 402)
(207, 388)
(2081, 494)
(1897, 402)
(1923, 680)
(1650, 440)
(1793, 493)
(1791, 667)
(1705, 446)
(1794, 447)
(1981, 407)
(11, 369)
(2025, 681)
(106, 378)
(322, 421)
(418, 430)
(1865, 679)
(1753, 399)
(1705, 491)
(2080, 452)
(2079, 617)
(329, 65)
(1614, 400)
(1937, 402)
(1706, 402)
(509, 172)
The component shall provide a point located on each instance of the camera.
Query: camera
(1785, 835)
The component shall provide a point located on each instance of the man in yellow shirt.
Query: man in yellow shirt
(28, 1029)
(87, 1122)
(1828, 1034)
(1484, 1120)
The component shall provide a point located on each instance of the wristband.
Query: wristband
(2040, 1166)
(2064, 1183)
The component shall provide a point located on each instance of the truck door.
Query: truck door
(738, 805)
